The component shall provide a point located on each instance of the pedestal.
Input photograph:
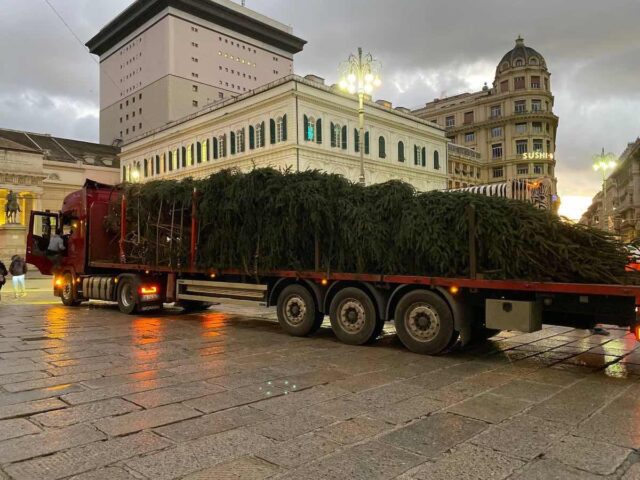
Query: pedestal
(13, 240)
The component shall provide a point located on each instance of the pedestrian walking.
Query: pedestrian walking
(18, 269)
(3, 277)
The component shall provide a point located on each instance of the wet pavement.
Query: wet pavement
(89, 393)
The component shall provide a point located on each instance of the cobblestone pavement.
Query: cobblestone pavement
(89, 393)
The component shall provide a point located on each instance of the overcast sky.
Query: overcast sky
(428, 48)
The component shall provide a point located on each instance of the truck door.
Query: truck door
(41, 226)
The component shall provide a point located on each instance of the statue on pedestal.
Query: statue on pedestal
(12, 208)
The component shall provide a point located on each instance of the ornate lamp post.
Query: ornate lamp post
(603, 163)
(360, 74)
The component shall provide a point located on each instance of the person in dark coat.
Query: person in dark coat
(3, 277)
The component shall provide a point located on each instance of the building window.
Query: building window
(240, 141)
(504, 86)
(194, 88)
(222, 145)
(496, 150)
(497, 172)
(535, 81)
(309, 126)
(536, 105)
(537, 145)
(450, 121)
(538, 169)
(419, 156)
(220, 95)
(470, 137)
(521, 146)
(140, 126)
(521, 128)
(520, 106)
(536, 127)
(260, 135)
(401, 151)
(194, 103)
(140, 111)
(546, 84)
(468, 118)
(518, 83)
(120, 119)
(523, 169)
(281, 129)
(548, 146)
(194, 75)
(120, 106)
(436, 160)
(496, 111)
(382, 153)
(496, 132)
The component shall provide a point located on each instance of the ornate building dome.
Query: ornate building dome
(520, 56)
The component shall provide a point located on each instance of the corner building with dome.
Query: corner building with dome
(510, 125)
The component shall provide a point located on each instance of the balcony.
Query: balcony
(462, 151)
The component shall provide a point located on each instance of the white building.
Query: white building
(293, 123)
(163, 59)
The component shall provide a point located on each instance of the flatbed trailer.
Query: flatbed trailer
(430, 313)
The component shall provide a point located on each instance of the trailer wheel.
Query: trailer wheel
(353, 317)
(127, 297)
(297, 313)
(424, 322)
(67, 293)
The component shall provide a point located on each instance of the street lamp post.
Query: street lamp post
(603, 163)
(360, 74)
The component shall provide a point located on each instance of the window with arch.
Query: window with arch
(190, 155)
(319, 131)
(256, 136)
(170, 160)
(519, 62)
(382, 147)
(222, 145)
(183, 157)
(157, 162)
(146, 168)
(336, 135)
(419, 156)
(533, 61)
(198, 153)
(309, 128)
(279, 129)
(401, 151)
(436, 160)
(240, 140)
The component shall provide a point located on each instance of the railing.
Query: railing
(463, 151)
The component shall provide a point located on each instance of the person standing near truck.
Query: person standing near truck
(55, 248)
(3, 276)
(18, 270)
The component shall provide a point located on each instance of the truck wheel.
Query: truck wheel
(297, 312)
(353, 316)
(424, 322)
(127, 296)
(67, 293)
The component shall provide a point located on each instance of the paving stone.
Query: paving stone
(22, 377)
(295, 401)
(213, 423)
(354, 430)
(289, 426)
(88, 396)
(341, 408)
(633, 473)
(468, 462)
(549, 469)
(233, 398)
(178, 393)
(435, 434)
(489, 407)
(406, 410)
(369, 461)
(588, 454)
(526, 390)
(619, 430)
(31, 395)
(554, 377)
(109, 473)
(388, 394)
(47, 442)
(28, 408)
(141, 420)
(522, 437)
(84, 413)
(16, 428)
(199, 454)
(366, 381)
(113, 380)
(89, 457)
(47, 382)
(299, 450)
(243, 468)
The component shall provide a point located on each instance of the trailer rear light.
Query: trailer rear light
(636, 332)
(453, 289)
(148, 290)
(57, 282)
(212, 275)
(324, 281)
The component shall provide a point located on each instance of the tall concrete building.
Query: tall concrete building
(511, 125)
(161, 60)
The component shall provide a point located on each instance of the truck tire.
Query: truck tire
(297, 312)
(127, 296)
(67, 293)
(424, 322)
(353, 317)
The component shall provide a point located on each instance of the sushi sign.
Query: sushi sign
(537, 156)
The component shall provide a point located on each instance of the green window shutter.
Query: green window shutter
(424, 157)
(415, 155)
(344, 137)
(184, 157)
(401, 151)
(170, 161)
(199, 152)
(284, 128)
(305, 126)
(436, 160)
(232, 142)
(356, 140)
(262, 134)
(318, 131)
(333, 135)
(366, 143)
(381, 147)
(252, 135)
(215, 148)
(272, 131)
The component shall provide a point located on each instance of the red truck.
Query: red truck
(430, 313)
